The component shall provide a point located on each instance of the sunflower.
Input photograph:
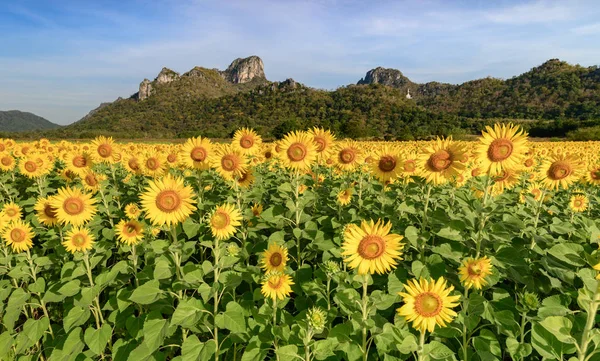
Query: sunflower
(46, 214)
(441, 161)
(276, 285)
(129, 232)
(409, 165)
(7, 162)
(428, 303)
(154, 164)
(592, 174)
(229, 162)
(246, 178)
(386, 164)
(274, 258)
(132, 211)
(324, 140)
(501, 147)
(246, 141)
(132, 163)
(559, 170)
(298, 152)
(104, 149)
(223, 221)
(18, 235)
(34, 167)
(371, 248)
(349, 155)
(12, 211)
(579, 203)
(68, 175)
(73, 206)
(79, 162)
(473, 272)
(505, 179)
(344, 197)
(78, 239)
(168, 201)
(195, 153)
(91, 181)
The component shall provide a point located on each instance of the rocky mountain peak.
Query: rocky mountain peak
(243, 70)
(386, 76)
(166, 75)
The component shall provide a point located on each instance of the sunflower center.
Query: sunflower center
(371, 247)
(474, 269)
(31, 166)
(230, 162)
(105, 150)
(11, 212)
(18, 235)
(595, 174)
(499, 150)
(502, 176)
(275, 282)
(131, 229)
(91, 180)
(79, 161)
(428, 304)
(133, 164)
(220, 220)
(49, 211)
(243, 177)
(321, 143)
(559, 170)
(73, 206)
(577, 203)
(6, 160)
(347, 156)
(387, 163)
(171, 158)
(198, 154)
(475, 172)
(78, 240)
(536, 193)
(168, 201)
(410, 166)
(152, 163)
(296, 152)
(440, 160)
(268, 154)
(529, 162)
(275, 259)
(247, 141)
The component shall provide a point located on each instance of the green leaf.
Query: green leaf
(16, 301)
(194, 350)
(560, 327)
(96, 339)
(487, 346)
(147, 293)
(412, 234)
(32, 331)
(187, 313)
(288, 352)
(438, 351)
(39, 286)
(76, 316)
(6, 342)
(190, 228)
(568, 253)
(70, 288)
(516, 350)
(233, 318)
(155, 329)
(324, 348)
(547, 345)
(162, 269)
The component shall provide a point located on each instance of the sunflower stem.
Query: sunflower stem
(421, 349)
(42, 302)
(275, 324)
(99, 317)
(365, 317)
(589, 325)
(297, 211)
(465, 335)
(175, 253)
(216, 297)
(424, 222)
(523, 324)
(537, 217)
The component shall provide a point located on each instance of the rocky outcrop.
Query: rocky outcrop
(166, 75)
(243, 70)
(385, 76)
(145, 89)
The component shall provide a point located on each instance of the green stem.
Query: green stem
(134, 258)
(216, 297)
(297, 211)
(33, 271)
(328, 294)
(365, 317)
(424, 222)
(105, 203)
(465, 333)
(175, 253)
(523, 324)
(99, 318)
(421, 349)
(275, 324)
(537, 218)
(591, 318)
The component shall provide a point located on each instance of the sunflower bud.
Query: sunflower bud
(233, 250)
(331, 268)
(529, 301)
(316, 318)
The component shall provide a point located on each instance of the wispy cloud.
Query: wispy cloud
(590, 29)
(532, 13)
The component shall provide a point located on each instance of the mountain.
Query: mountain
(17, 121)
(548, 100)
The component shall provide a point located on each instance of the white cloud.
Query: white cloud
(589, 29)
(537, 12)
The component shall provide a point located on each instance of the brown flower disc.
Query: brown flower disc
(131, 229)
(168, 201)
(499, 150)
(11, 212)
(6, 160)
(440, 160)
(17, 235)
(268, 154)
(529, 162)
(502, 176)
(105, 150)
(79, 161)
(297, 152)
(347, 155)
(247, 141)
(230, 162)
(220, 220)
(595, 174)
(275, 259)
(371, 247)
(321, 143)
(171, 158)
(91, 180)
(152, 163)
(410, 166)
(474, 269)
(31, 166)
(559, 170)
(73, 206)
(133, 164)
(428, 304)
(277, 284)
(49, 211)
(198, 154)
(387, 163)
(78, 239)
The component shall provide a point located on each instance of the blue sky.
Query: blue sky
(62, 58)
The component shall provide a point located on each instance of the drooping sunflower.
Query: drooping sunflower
(371, 247)
(7, 162)
(91, 181)
(132, 211)
(73, 206)
(579, 203)
(298, 152)
(257, 209)
(387, 164)
(473, 272)
(12, 211)
(168, 201)
(324, 141)
(246, 141)
(506, 179)
(246, 178)
(441, 161)
(46, 214)
(276, 285)
(501, 147)
(560, 170)
(132, 163)
(223, 221)
(104, 149)
(349, 155)
(274, 258)
(228, 162)
(344, 197)
(428, 303)
(129, 232)
(195, 153)
(78, 239)
(18, 235)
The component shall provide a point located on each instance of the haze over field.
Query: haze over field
(62, 59)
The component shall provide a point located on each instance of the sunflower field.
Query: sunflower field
(308, 248)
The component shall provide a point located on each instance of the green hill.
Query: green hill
(17, 121)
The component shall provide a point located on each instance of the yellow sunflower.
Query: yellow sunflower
(502, 147)
(79, 162)
(473, 272)
(7, 162)
(154, 164)
(257, 210)
(428, 303)
(505, 179)
(168, 201)
(559, 170)
(46, 214)
(298, 152)
(18, 235)
(73, 206)
(246, 141)
(34, 166)
(592, 174)
(349, 155)
(78, 239)
(12, 211)
(579, 203)
(274, 258)
(129, 232)
(133, 163)
(223, 221)
(344, 197)
(387, 164)
(132, 211)
(91, 181)
(371, 248)
(104, 149)
(441, 161)
(195, 153)
(276, 285)
(324, 141)
(246, 178)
